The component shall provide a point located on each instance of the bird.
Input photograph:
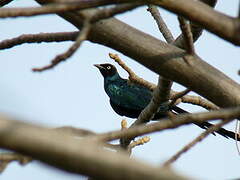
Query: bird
(129, 99)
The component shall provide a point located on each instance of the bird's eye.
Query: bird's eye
(108, 67)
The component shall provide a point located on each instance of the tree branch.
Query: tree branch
(58, 7)
(62, 57)
(196, 140)
(74, 155)
(165, 60)
(173, 122)
(161, 24)
(39, 38)
(222, 25)
(187, 34)
(196, 29)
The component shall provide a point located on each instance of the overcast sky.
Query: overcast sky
(72, 94)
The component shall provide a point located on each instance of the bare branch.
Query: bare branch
(54, 7)
(196, 29)
(178, 96)
(174, 122)
(161, 24)
(197, 100)
(38, 38)
(132, 76)
(200, 13)
(187, 33)
(109, 12)
(46, 9)
(66, 36)
(74, 155)
(196, 140)
(62, 57)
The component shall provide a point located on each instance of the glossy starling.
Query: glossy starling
(128, 99)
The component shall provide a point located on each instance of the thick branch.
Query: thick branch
(74, 155)
(222, 25)
(196, 11)
(164, 59)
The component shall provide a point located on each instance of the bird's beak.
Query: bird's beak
(99, 66)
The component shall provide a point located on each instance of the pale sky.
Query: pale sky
(72, 94)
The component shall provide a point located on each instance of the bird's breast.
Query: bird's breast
(113, 90)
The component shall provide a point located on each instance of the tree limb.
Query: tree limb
(164, 59)
(173, 122)
(74, 155)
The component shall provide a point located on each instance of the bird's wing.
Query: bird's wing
(129, 96)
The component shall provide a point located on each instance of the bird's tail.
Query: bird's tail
(206, 125)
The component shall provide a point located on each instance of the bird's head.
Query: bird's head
(107, 70)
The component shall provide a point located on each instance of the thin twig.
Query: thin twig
(38, 38)
(161, 24)
(196, 29)
(66, 36)
(46, 9)
(131, 75)
(117, 9)
(186, 30)
(62, 57)
(197, 100)
(59, 8)
(178, 96)
(196, 140)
